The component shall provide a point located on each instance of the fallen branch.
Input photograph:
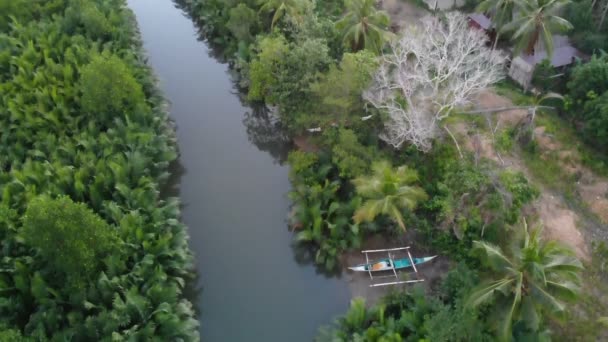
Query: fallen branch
(455, 142)
(504, 109)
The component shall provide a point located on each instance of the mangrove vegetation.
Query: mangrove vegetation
(90, 250)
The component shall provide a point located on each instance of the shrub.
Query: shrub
(588, 77)
(350, 157)
(543, 76)
(595, 116)
(243, 22)
(109, 88)
(69, 236)
(270, 54)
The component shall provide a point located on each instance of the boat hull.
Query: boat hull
(385, 264)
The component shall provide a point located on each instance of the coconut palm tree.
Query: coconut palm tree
(279, 8)
(387, 191)
(536, 277)
(502, 13)
(364, 26)
(537, 19)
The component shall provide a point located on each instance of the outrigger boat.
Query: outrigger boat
(387, 264)
(391, 264)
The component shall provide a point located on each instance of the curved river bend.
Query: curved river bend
(234, 196)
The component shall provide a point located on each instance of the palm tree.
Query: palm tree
(538, 19)
(502, 13)
(281, 7)
(535, 278)
(363, 26)
(388, 191)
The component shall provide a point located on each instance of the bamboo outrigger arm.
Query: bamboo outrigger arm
(397, 282)
(385, 250)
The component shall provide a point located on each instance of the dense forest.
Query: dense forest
(90, 251)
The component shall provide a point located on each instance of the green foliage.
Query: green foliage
(588, 77)
(502, 11)
(589, 93)
(109, 89)
(270, 55)
(282, 74)
(543, 76)
(279, 8)
(474, 201)
(70, 236)
(538, 20)
(534, 280)
(587, 35)
(302, 65)
(363, 26)
(12, 8)
(504, 141)
(521, 192)
(243, 21)
(109, 153)
(321, 218)
(93, 20)
(595, 116)
(388, 191)
(413, 316)
(11, 335)
(350, 157)
(339, 91)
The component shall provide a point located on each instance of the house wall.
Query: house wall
(521, 72)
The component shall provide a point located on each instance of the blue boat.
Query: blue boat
(387, 264)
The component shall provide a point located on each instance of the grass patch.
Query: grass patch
(504, 141)
(511, 90)
(545, 170)
(556, 126)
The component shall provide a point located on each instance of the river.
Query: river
(235, 196)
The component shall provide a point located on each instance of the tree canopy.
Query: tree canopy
(70, 236)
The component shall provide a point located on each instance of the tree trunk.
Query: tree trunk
(599, 26)
(532, 42)
(496, 40)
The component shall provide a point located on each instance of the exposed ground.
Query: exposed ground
(402, 13)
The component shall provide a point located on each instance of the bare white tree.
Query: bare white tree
(433, 68)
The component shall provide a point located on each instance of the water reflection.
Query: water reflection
(265, 131)
(304, 254)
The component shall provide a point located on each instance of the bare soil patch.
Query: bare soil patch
(402, 13)
(592, 188)
(304, 144)
(489, 99)
(561, 224)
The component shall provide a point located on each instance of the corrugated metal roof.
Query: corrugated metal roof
(483, 21)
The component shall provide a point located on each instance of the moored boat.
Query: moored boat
(387, 264)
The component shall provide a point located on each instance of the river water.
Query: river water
(234, 191)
